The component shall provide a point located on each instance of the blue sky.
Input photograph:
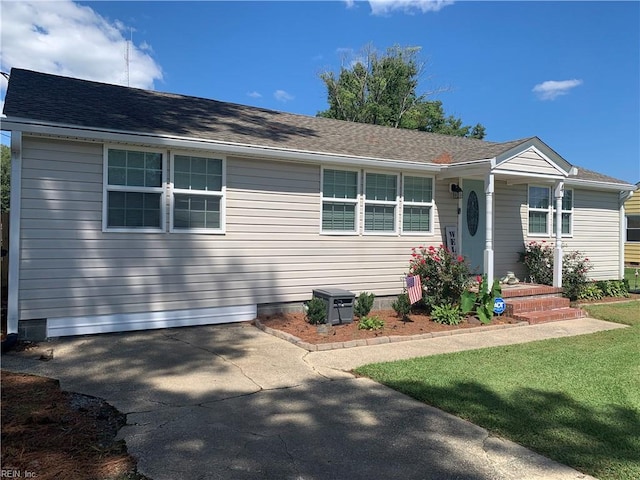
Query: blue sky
(568, 72)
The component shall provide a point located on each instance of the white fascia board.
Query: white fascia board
(513, 153)
(466, 169)
(596, 185)
(169, 141)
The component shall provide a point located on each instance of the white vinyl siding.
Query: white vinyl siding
(272, 250)
(340, 201)
(198, 186)
(380, 203)
(133, 190)
(417, 204)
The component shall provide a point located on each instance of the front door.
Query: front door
(473, 224)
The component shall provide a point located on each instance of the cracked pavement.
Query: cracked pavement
(232, 402)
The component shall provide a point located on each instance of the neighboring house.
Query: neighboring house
(135, 209)
(632, 244)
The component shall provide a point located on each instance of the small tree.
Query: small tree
(363, 305)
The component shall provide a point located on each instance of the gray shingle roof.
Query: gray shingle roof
(70, 101)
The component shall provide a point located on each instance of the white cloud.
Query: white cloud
(551, 89)
(68, 39)
(350, 3)
(383, 7)
(282, 96)
(254, 94)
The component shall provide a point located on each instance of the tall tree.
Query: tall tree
(382, 90)
(5, 178)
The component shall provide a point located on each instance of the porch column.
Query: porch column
(488, 249)
(558, 193)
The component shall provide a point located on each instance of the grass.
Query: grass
(627, 313)
(576, 400)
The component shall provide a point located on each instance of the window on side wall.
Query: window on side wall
(542, 212)
(198, 194)
(133, 193)
(380, 203)
(417, 205)
(339, 201)
(633, 228)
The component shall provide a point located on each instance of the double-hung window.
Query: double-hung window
(542, 212)
(339, 201)
(198, 194)
(567, 213)
(380, 203)
(633, 228)
(134, 192)
(417, 194)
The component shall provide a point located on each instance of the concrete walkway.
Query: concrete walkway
(232, 402)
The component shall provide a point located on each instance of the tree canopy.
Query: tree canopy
(383, 90)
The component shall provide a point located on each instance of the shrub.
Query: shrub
(538, 258)
(371, 323)
(590, 291)
(363, 305)
(447, 314)
(401, 305)
(482, 301)
(316, 311)
(444, 275)
(614, 288)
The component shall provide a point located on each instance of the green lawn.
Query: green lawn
(576, 400)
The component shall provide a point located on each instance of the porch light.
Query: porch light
(456, 191)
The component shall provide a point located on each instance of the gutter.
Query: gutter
(232, 148)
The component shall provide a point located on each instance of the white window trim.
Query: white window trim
(417, 204)
(106, 188)
(627, 228)
(395, 204)
(355, 201)
(550, 211)
(222, 194)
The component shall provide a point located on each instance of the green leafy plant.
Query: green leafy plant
(371, 323)
(447, 314)
(590, 291)
(482, 301)
(574, 273)
(443, 274)
(402, 306)
(316, 311)
(613, 288)
(363, 305)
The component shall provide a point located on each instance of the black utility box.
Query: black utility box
(339, 304)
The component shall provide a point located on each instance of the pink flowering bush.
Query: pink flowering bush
(538, 258)
(444, 275)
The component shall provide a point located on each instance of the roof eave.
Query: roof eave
(600, 185)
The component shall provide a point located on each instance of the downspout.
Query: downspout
(624, 196)
(558, 193)
(14, 233)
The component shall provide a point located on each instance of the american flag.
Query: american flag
(414, 288)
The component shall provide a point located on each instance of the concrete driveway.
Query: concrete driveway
(232, 402)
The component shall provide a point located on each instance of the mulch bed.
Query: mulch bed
(51, 434)
(418, 323)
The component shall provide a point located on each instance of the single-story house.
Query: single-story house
(135, 209)
(632, 244)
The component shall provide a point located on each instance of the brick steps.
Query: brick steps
(538, 304)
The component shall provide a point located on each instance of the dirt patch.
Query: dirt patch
(51, 434)
(419, 323)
